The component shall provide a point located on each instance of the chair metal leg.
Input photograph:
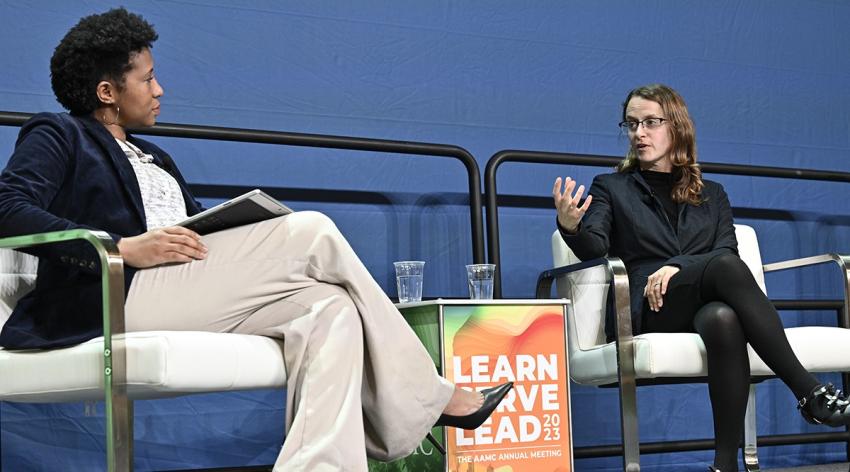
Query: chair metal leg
(751, 460)
(119, 409)
(119, 439)
(845, 381)
(629, 425)
(619, 292)
(1, 439)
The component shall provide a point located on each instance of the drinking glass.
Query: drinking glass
(480, 278)
(408, 276)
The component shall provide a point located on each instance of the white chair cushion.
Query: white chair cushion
(17, 277)
(589, 293)
(14, 262)
(656, 355)
(748, 248)
(159, 364)
(819, 348)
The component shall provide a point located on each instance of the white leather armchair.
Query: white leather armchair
(119, 367)
(670, 357)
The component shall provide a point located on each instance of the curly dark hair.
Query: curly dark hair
(97, 48)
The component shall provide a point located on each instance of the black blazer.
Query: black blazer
(627, 220)
(68, 172)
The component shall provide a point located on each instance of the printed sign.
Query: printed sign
(485, 346)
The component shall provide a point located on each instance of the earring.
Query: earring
(106, 122)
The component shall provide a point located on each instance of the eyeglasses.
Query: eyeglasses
(649, 123)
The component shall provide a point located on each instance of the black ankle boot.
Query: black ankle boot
(825, 405)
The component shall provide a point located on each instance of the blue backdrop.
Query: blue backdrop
(766, 83)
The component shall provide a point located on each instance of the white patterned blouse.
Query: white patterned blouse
(161, 195)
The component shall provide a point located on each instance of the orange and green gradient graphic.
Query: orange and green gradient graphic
(488, 345)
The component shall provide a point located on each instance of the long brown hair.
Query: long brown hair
(688, 185)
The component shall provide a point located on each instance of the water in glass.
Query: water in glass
(409, 288)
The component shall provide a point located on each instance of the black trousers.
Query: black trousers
(721, 301)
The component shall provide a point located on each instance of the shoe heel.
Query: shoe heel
(439, 447)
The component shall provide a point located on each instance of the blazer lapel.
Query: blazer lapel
(120, 163)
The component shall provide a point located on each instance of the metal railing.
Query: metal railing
(323, 141)
(534, 157)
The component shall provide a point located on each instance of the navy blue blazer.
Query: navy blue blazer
(627, 220)
(68, 172)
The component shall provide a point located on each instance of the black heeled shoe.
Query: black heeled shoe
(825, 405)
(492, 398)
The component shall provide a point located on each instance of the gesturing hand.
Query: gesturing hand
(656, 286)
(161, 246)
(569, 212)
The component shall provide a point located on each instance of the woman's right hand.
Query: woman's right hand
(567, 204)
(162, 246)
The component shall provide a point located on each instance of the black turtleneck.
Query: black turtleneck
(661, 184)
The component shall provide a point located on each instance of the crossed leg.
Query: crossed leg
(296, 278)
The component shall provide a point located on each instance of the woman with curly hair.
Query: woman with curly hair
(673, 230)
(358, 378)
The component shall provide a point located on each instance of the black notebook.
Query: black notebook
(251, 207)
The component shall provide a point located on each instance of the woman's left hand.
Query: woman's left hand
(656, 286)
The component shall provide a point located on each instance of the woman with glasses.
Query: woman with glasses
(673, 230)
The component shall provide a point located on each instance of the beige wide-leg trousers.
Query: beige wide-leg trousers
(359, 380)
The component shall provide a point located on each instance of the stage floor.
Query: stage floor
(840, 467)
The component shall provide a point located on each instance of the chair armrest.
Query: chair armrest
(545, 279)
(618, 280)
(843, 262)
(111, 263)
(114, 359)
(615, 275)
